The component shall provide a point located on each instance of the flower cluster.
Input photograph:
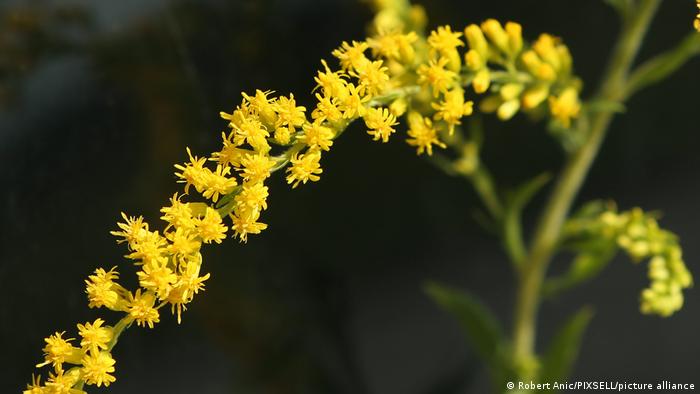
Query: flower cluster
(639, 235)
(533, 78)
(394, 74)
(93, 361)
(696, 23)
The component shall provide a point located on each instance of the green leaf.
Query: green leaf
(563, 350)
(478, 323)
(622, 7)
(585, 266)
(512, 227)
(663, 65)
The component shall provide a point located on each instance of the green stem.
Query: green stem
(570, 180)
(483, 184)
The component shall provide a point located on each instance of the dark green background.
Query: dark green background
(99, 100)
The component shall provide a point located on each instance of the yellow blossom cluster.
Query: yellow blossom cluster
(93, 362)
(533, 78)
(696, 23)
(391, 75)
(640, 236)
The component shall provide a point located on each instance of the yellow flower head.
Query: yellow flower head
(95, 336)
(178, 214)
(183, 242)
(58, 350)
(230, 154)
(253, 196)
(326, 109)
(189, 283)
(97, 367)
(103, 291)
(566, 106)
(353, 103)
(62, 383)
(422, 134)
(289, 113)
(317, 136)
(394, 45)
(263, 106)
(352, 56)
(210, 227)
(256, 167)
(133, 229)
(331, 82)
(453, 108)
(373, 78)
(245, 221)
(444, 40)
(192, 173)
(304, 168)
(380, 123)
(158, 278)
(436, 76)
(141, 308)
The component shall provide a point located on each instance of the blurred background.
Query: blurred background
(98, 100)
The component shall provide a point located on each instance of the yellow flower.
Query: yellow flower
(210, 227)
(256, 167)
(443, 43)
(189, 283)
(444, 40)
(566, 106)
(380, 123)
(245, 221)
(95, 336)
(140, 308)
(35, 387)
(304, 168)
(191, 173)
(326, 109)
(394, 45)
(58, 350)
(289, 113)
(423, 134)
(253, 196)
(436, 76)
(251, 131)
(183, 242)
(158, 278)
(150, 247)
(230, 154)
(103, 291)
(352, 103)
(373, 77)
(262, 105)
(351, 56)
(178, 214)
(537, 67)
(62, 383)
(453, 108)
(331, 82)
(494, 31)
(317, 136)
(477, 41)
(133, 229)
(97, 367)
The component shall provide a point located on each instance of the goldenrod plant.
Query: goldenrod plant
(428, 84)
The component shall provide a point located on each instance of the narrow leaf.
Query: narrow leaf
(663, 65)
(477, 322)
(563, 350)
(512, 226)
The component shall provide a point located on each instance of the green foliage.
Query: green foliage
(563, 350)
(479, 325)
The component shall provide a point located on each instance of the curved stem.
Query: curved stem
(570, 180)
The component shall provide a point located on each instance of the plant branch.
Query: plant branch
(570, 180)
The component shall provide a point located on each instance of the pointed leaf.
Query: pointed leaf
(563, 350)
(663, 65)
(512, 228)
(477, 322)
